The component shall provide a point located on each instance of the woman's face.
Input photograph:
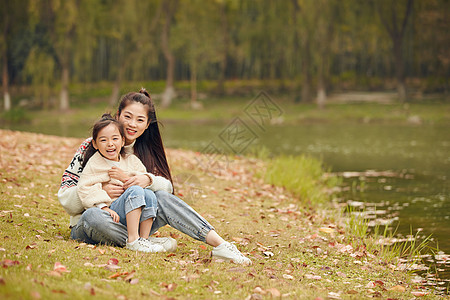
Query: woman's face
(134, 118)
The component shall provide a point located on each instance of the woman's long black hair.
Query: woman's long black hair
(149, 147)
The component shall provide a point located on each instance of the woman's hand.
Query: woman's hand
(113, 190)
(118, 173)
(141, 180)
(113, 214)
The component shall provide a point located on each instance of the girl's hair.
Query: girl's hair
(149, 147)
(106, 120)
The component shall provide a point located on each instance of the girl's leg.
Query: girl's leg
(148, 214)
(131, 208)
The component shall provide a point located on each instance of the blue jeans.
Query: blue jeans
(97, 227)
(135, 197)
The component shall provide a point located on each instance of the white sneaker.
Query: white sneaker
(229, 252)
(169, 244)
(144, 245)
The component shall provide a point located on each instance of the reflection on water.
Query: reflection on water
(413, 188)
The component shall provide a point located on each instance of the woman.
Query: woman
(142, 137)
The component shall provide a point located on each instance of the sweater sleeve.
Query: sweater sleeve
(159, 183)
(67, 193)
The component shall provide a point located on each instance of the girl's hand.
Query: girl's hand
(118, 173)
(113, 190)
(113, 214)
(141, 180)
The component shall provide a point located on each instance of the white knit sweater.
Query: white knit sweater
(95, 173)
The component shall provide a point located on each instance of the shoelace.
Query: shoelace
(235, 250)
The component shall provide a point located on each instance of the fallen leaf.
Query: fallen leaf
(35, 295)
(113, 261)
(326, 230)
(102, 251)
(397, 288)
(275, 293)
(287, 276)
(8, 263)
(419, 294)
(58, 267)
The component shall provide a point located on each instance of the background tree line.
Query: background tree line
(303, 47)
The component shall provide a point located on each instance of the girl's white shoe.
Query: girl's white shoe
(229, 252)
(169, 244)
(144, 245)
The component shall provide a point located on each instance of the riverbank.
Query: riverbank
(298, 250)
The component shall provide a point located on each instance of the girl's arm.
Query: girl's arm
(90, 186)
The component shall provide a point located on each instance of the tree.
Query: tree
(394, 16)
(12, 19)
(169, 8)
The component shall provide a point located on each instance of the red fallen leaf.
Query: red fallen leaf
(113, 261)
(203, 247)
(32, 246)
(2, 281)
(60, 268)
(58, 291)
(118, 274)
(171, 254)
(8, 263)
(129, 276)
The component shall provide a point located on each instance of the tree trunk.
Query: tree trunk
(116, 87)
(5, 83)
(321, 89)
(306, 72)
(399, 68)
(169, 92)
(224, 55)
(194, 103)
(64, 98)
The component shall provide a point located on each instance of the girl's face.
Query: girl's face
(109, 142)
(134, 118)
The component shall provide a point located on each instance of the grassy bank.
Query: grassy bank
(298, 251)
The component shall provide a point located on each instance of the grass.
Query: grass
(298, 251)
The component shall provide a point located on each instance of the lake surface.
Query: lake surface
(402, 171)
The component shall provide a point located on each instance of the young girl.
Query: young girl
(137, 114)
(104, 161)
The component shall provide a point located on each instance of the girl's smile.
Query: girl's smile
(109, 142)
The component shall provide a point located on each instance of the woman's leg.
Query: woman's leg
(97, 227)
(175, 212)
(178, 214)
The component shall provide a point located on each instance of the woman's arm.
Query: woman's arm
(67, 194)
(145, 179)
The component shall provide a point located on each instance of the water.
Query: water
(409, 181)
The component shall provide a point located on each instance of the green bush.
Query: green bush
(15, 115)
(302, 175)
